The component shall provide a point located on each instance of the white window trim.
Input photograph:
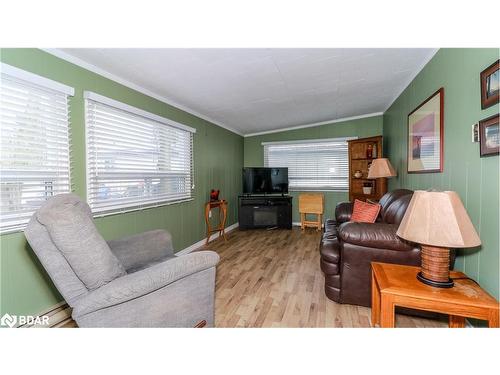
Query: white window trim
(44, 83)
(338, 139)
(312, 141)
(133, 209)
(119, 105)
(125, 107)
(36, 79)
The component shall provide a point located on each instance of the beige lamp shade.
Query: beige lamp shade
(438, 219)
(381, 167)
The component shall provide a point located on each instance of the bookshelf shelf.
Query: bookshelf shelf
(358, 161)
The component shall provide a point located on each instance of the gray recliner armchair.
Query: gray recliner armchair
(131, 282)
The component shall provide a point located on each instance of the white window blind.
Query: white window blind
(34, 146)
(133, 161)
(312, 165)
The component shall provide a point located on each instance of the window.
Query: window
(312, 165)
(34, 145)
(135, 159)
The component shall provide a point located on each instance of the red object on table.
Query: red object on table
(214, 195)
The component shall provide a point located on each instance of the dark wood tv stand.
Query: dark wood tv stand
(265, 211)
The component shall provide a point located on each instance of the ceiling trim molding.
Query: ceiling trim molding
(95, 69)
(315, 124)
(413, 76)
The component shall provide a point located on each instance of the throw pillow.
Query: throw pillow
(75, 235)
(364, 212)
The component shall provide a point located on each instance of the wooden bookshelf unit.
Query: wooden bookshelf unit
(360, 159)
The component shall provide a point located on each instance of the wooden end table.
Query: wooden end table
(396, 285)
(222, 205)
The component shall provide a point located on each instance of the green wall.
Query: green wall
(475, 179)
(365, 127)
(218, 159)
(219, 156)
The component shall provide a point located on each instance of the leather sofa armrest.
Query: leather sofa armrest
(343, 212)
(376, 235)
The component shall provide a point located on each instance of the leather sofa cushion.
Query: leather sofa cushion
(333, 280)
(329, 268)
(397, 209)
(343, 212)
(376, 235)
(332, 293)
(330, 250)
(390, 197)
(330, 226)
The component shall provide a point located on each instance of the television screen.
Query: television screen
(265, 180)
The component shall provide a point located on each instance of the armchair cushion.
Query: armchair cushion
(375, 235)
(140, 250)
(76, 237)
(137, 284)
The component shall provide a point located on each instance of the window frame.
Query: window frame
(89, 95)
(309, 141)
(37, 81)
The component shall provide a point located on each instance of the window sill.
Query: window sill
(132, 209)
(103, 214)
(12, 231)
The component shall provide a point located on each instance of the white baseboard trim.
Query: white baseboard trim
(298, 224)
(59, 314)
(200, 243)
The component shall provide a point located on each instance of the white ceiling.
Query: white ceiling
(259, 90)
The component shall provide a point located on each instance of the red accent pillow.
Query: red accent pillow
(363, 212)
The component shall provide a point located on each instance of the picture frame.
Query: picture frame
(489, 136)
(490, 85)
(475, 133)
(425, 135)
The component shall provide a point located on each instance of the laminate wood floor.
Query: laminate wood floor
(273, 279)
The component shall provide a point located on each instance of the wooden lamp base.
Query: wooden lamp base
(435, 267)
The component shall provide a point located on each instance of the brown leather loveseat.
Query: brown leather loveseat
(347, 248)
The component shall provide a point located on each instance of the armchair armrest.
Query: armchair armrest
(142, 282)
(142, 248)
(343, 212)
(376, 235)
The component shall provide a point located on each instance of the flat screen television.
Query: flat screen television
(265, 180)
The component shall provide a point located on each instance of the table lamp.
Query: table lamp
(437, 220)
(381, 167)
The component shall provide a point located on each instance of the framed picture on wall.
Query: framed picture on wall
(425, 135)
(489, 138)
(475, 133)
(490, 81)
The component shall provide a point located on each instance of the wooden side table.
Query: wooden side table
(222, 205)
(311, 204)
(396, 285)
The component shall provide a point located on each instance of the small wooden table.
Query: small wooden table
(311, 204)
(396, 285)
(222, 205)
